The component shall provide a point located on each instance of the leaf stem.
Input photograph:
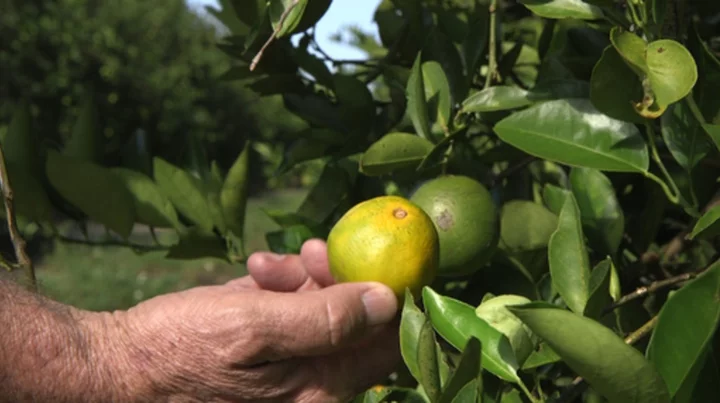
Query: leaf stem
(23, 259)
(673, 193)
(492, 50)
(694, 108)
(527, 393)
(633, 13)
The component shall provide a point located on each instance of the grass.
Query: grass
(109, 278)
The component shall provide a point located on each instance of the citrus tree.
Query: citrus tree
(566, 152)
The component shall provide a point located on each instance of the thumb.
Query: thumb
(322, 321)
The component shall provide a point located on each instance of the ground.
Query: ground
(116, 278)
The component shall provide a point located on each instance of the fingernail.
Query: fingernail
(380, 305)
(275, 256)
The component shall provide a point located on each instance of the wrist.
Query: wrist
(114, 365)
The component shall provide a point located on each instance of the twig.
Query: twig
(642, 331)
(653, 287)
(17, 240)
(274, 34)
(492, 72)
(579, 383)
(108, 243)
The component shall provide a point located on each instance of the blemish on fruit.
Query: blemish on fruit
(399, 213)
(445, 220)
(660, 50)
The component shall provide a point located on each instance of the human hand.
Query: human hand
(284, 333)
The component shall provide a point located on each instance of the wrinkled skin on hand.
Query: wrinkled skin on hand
(284, 333)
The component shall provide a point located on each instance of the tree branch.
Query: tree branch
(492, 72)
(23, 259)
(653, 287)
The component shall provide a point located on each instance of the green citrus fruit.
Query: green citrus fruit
(465, 219)
(386, 239)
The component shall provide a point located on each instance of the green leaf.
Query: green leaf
(554, 197)
(708, 379)
(468, 370)
(496, 98)
(293, 10)
(290, 240)
(602, 216)
(248, 11)
(440, 48)
(411, 322)
(198, 244)
(573, 132)
(708, 226)
(614, 89)
(475, 42)
(416, 101)
(86, 139)
(152, 207)
(332, 186)
(631, 48)
(457, 322)
(599, 289)
(212, 196)
(185, 191)
(683, 137)
(394, 151)
(569, 261)
(612, 368)
(20, 143)
(685, 327)
(312, 64)
(437, 94)
(357, 106)
(542, 356)
(427, 361)
(30, 199)
(671, 70)
(234, 193)
(561, 9)
(94, 190)
(470, 393)
(714, 132)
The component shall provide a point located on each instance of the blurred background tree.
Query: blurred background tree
(153, 69)
(153, 74)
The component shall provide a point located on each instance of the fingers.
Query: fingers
(281, 273)
(330, 378)
(315, 259)
(286, 273)
(243, 283)
(346, 374)
(321, 321)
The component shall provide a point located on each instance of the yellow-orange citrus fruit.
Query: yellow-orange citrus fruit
(386, 239)
(465, 219)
